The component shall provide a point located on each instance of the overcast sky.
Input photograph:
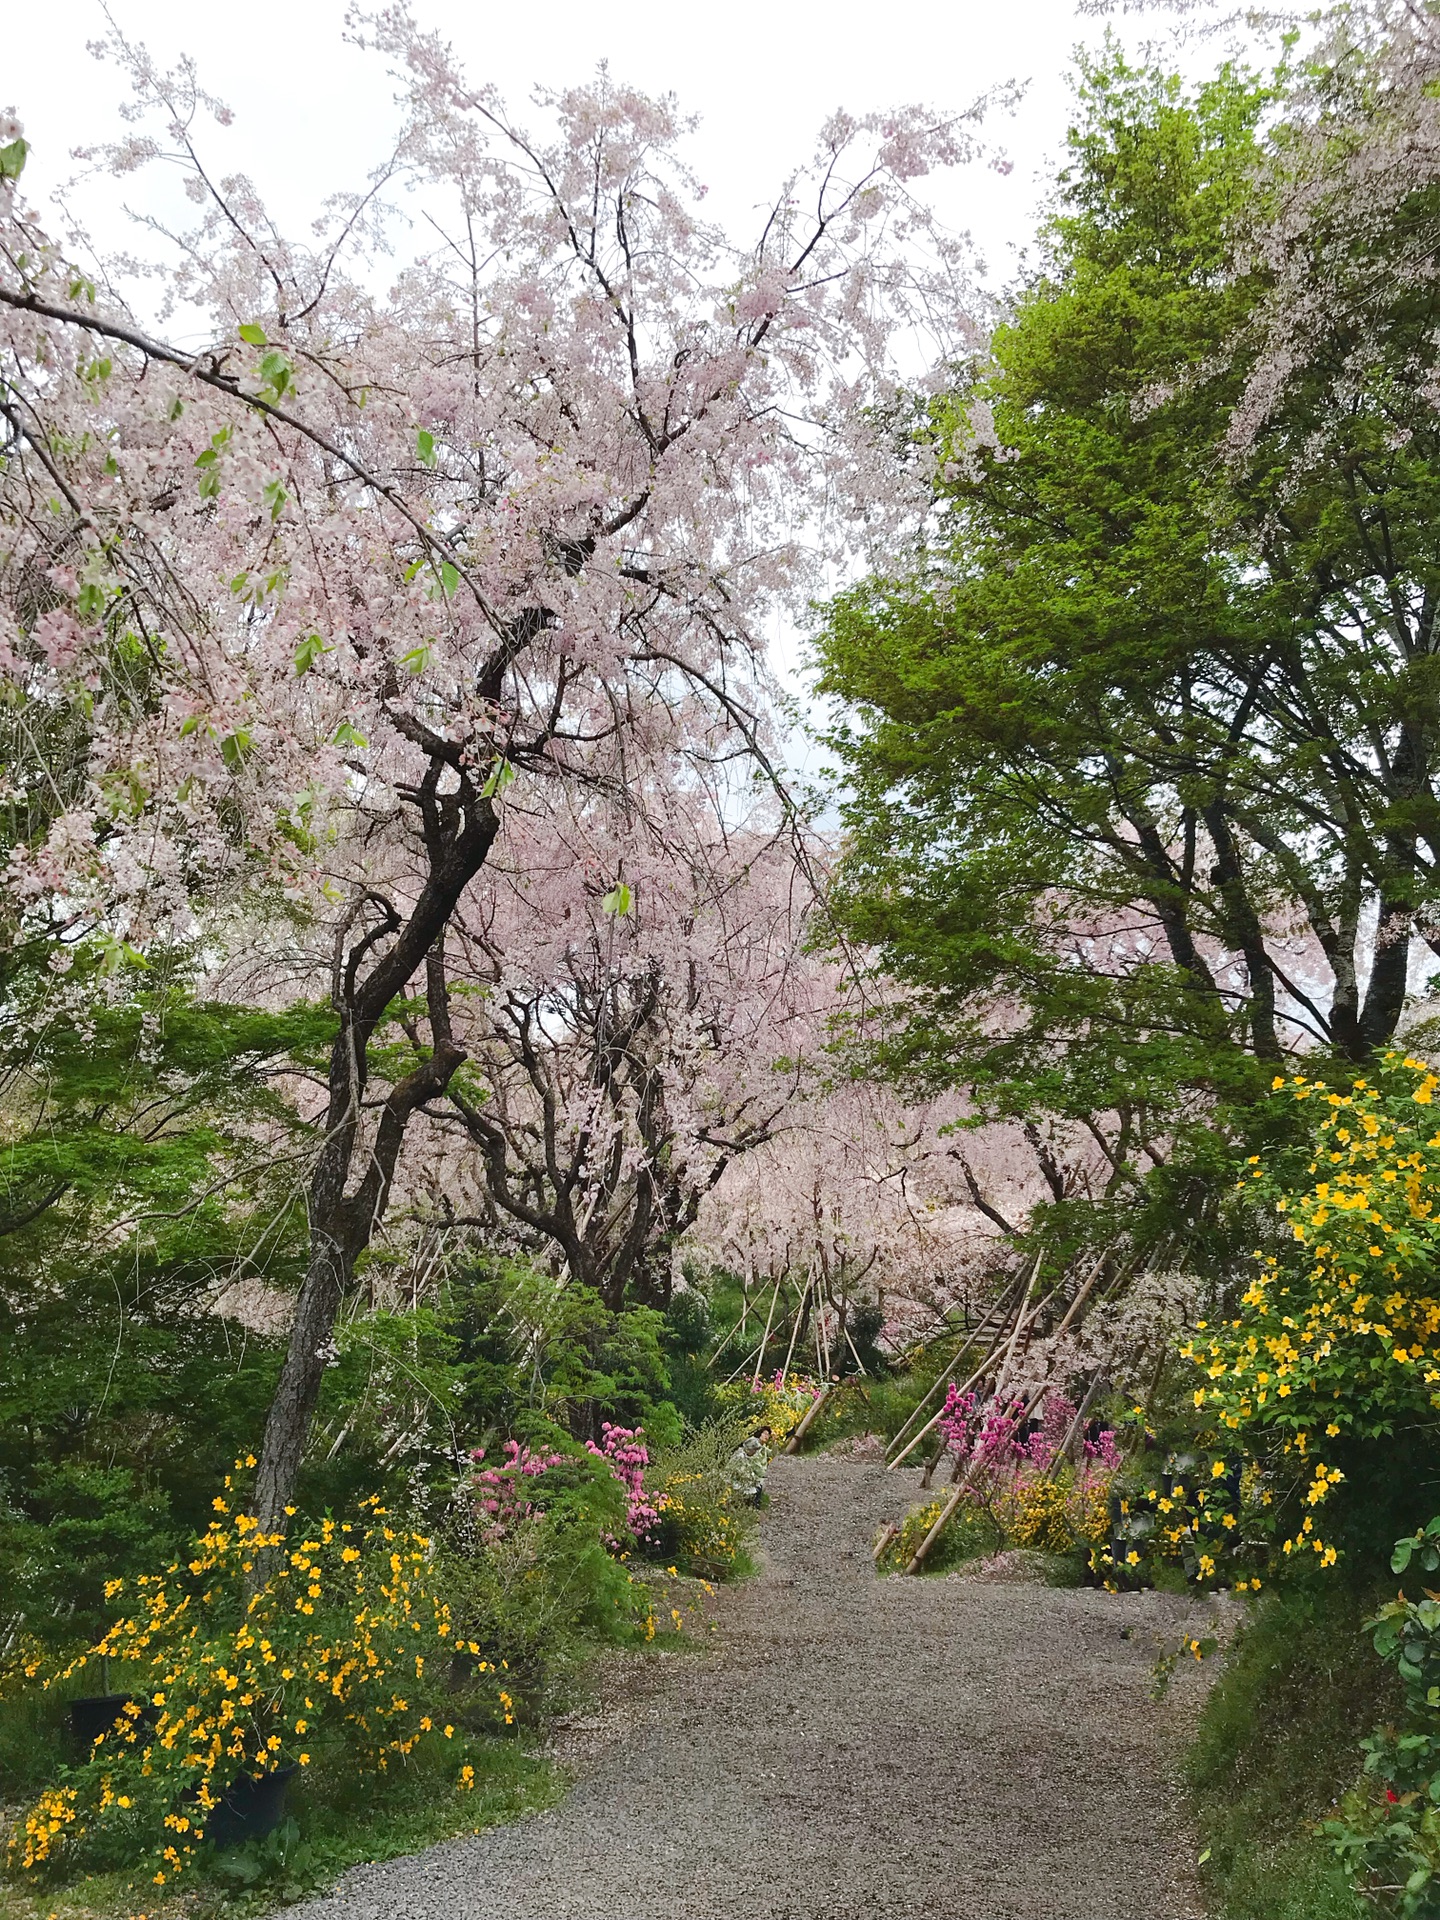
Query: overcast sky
(312, 114)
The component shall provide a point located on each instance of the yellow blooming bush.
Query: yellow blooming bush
(342, 1644)
(1056, 1514)
(780, 1402)
(1337, 1338)
(701, 1524)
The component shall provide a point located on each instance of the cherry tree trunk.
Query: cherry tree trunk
(327, 1275)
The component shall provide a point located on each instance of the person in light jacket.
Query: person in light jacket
(748, 1464)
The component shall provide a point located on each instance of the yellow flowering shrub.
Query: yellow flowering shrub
(702, 1520)
(1338, 1332)
(779, 1401)
(1053, 1514)
(701, 1526)
(342, 1642)
(1201, 1510)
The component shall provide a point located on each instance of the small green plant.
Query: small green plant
(1387, 1830)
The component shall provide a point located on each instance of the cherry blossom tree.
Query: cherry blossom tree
(376, 569)
(626, 1048)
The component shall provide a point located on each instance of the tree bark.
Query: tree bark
(459, 830)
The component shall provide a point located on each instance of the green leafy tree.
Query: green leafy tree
(147, 1161)
(1142, 747)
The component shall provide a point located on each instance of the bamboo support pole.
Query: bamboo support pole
(739, 1327)
(1022, 1319)
(993, 1313)
(792, 1445)
(942, 1520)
(742, 1366)
(799, 1314)
(979, 1373)
(888, 1533)
(765, 1337)
(864, 1370)
(755, 1353)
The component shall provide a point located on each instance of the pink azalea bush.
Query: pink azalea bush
(624, 1451)
(505, 1495)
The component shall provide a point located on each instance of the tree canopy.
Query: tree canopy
(1142, 746)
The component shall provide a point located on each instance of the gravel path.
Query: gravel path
(852, 1749)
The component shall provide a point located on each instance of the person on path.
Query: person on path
(748, 1465)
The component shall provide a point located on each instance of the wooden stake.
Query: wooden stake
(793, 1444)
(799, 1315)
(764, 1338)
(993, 1312)
(930, 1465)
(977, 1376)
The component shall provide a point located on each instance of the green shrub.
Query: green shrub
(970, 1535)
(704, 1524)
(1387, 1829)
(1278, 1743)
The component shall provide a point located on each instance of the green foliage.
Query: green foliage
(538, 1603)
(1387, 1830)
(1276, 1746)
(337, 1819)
(1083, 576)
(531, 1353)
(254, 1652)
(1119, 723)
(143, 1167)
(687, 1340)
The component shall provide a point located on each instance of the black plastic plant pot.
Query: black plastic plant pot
(98, 1713)
(250, 1807)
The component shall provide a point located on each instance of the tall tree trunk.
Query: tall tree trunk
(1243, 929)
(460, 828)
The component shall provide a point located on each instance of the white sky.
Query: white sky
(312, 115)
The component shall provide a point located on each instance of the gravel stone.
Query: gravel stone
(850, 1748)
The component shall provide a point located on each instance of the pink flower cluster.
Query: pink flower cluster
(503, 1495)
(981, 1436)
(624, 1451)
(988, 1437)
(794, 1384)
(1104, 1450)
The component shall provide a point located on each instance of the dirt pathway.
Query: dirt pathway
(853, 1749)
